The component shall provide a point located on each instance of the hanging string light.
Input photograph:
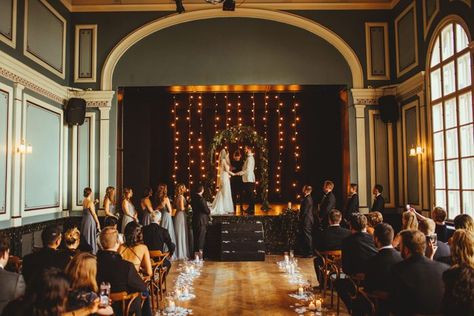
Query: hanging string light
(190, 143)
(294, 139)
(265, 118)
(228, 113)
(279, 110)
(253, 110)
(175, 138)
(216, 115)
(202, 168)
(239, 111)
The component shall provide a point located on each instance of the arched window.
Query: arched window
(452, 120)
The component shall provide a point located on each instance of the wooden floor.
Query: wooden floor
(245, 288)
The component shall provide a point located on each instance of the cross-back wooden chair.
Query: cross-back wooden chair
(158, 280)
(124, 300)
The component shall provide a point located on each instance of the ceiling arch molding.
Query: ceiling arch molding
(283, 17)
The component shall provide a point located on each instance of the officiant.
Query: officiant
(236, 181)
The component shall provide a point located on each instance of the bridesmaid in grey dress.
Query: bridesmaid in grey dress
(180, 224)
(146, 207)
(129, 213)
(109, 203)
(90, 223)
(164, 206)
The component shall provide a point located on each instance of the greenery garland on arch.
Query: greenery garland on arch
(244, 135)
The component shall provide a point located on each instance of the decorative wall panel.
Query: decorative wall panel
(8, 22)
(406, 40)
(85, 58)
(43, 130)
(378, 65)
(45, 36)
(4, 140)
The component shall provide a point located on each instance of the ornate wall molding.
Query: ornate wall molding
(412, 86)
(368, 96)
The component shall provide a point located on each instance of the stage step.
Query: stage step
(236, 241)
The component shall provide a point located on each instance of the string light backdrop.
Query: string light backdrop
(198, 117)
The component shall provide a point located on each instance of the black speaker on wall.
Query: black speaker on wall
(389, 111)
(75, 111)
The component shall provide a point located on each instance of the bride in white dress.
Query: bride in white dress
(223, 204)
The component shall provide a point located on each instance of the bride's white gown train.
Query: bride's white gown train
(223, 204)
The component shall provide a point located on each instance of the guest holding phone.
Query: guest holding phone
(82, 272)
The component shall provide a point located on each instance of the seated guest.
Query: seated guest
(330, 239)
(35, 263)
(379, 202)
(328, 202)
(459, 279)
(409, 222)
(358, 247)
(121, 274)
(417, 286)
(378, 267)
(134, 251)
(306, 222)
(464, 221)
(439, 215)
(72, 239)
(82, 273)
(352, 205)
(112, 222)
(428, 227)
(45, 295)
(155, 237)
(356, 250)
(373, 219)
(13, 285)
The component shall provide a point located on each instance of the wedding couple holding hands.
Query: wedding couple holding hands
(223, 204)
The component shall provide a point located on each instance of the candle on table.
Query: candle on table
(311, 306)
(300, 290)
(287, 258)
(318, 305)
(171, 304)
(289, 205)
(196, 258)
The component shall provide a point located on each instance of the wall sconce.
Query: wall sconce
(416, 151)
(24, 149)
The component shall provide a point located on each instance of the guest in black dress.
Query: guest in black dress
(146, 208)
(459, 279)
(90, 223)
(236, 181)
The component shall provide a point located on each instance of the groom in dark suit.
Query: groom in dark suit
(306, 220)
(201, 213)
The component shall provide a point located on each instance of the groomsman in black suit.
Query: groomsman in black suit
(352, 205)
(328, 202)
(306, 222)
(201, 213)
(379, 202)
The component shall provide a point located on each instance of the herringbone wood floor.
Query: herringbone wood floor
(245, 288)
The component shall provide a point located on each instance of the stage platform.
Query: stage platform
(279, 228)
(276, 210)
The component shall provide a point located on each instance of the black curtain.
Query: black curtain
(150, 141)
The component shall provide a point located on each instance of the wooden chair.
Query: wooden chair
(125, 300)
(158, 285)
(331, 271)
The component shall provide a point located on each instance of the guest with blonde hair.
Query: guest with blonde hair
(128, 209)
(409, 222)
(373, 219)
(110, 203)
(181, 223)
(459, 279)
(428, 227)
(72, 239)
(82, 273)
(164, 206)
